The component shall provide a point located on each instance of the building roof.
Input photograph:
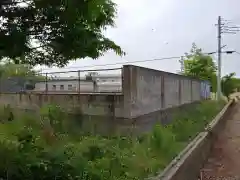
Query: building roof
(65, 79)
(108, 76)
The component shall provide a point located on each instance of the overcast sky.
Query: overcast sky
(149, 29)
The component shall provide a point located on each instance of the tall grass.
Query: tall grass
(42, 149)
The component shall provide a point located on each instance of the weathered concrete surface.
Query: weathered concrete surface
(224, 160)
(149, 96)
(104, 111)
(147, 91)
(87, 104)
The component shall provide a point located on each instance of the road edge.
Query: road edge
(187, 164)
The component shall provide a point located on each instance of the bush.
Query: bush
(26, 154)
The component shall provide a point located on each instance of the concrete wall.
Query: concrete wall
(109, 87)
(148, 91)
(148, 96)
(85, 110)
(105, 111)
(88, 104)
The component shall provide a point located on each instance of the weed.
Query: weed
(25, 152)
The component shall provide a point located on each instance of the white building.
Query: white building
(108, 83)
(70, 84)
(99, 83)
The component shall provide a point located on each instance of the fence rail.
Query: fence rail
(81, 81)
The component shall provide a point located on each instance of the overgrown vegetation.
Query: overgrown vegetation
(229, 85)
(42, 150)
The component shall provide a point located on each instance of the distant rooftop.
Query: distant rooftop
(109, 75)
(66, 79)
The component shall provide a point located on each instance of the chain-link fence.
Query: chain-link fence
(81, 81)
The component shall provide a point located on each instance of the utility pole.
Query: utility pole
(182, 64)
(219, 25)
(224, 27)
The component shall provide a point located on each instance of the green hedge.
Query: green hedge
(28, 150)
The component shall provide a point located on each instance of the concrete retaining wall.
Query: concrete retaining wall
(105, 111)
(86, 110)
(149, 96)
(148, 91)
(88, 104)
(187, 164)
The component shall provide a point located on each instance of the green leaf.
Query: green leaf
(60, 30)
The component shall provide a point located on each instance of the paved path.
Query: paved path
(224, 160)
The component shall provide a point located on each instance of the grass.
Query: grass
(32, 149)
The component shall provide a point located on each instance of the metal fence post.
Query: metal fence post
(191, 90)
(79, 80)
(163, 92)
(180, 91)
(46, 83)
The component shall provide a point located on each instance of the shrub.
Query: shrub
(26, 154)
(54, 116)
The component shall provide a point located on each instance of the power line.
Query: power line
(121, 63)
(237, 52)
(85, 70)
(129, 62)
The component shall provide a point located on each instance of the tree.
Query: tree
(10, 69)
(228, 85)
(201, 66)
(52, 32)
(237, 83)
(16, 70)
(18, 74)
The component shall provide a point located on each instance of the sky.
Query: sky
(154, 29)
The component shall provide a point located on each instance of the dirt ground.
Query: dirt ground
(224, 160)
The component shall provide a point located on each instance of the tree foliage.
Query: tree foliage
(200, 66)
(237, 83)
(228, 84)
(52, 32)
(10, 69)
